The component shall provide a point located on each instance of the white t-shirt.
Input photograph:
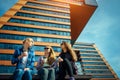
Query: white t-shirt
(25, 58)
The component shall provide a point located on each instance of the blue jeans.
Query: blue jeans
(18, 74)
(46, 74)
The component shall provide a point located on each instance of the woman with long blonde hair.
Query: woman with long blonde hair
(45, 65)
(67, 59)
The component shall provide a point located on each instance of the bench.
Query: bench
(9, 76)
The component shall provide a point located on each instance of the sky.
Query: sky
(102, 29)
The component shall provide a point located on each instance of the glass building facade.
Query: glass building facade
(49, 22)
(33, 19)
(93, 63)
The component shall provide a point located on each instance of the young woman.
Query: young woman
(24, 59)
(46, 64)
(66, 65)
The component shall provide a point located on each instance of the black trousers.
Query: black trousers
(65, 67)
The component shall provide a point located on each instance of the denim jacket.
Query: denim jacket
(18, 62)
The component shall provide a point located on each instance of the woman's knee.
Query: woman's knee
(66, 60)
(28, 72)
(19, 71)
(43, 71)
(52, 70)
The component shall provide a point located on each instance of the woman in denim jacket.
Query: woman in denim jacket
(24, 59)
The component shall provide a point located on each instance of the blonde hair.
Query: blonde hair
(52, 57)
(70, 50)
(28, 39)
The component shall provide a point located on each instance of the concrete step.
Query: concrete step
(9, 76)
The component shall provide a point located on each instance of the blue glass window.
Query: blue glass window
(44, 11)
(39, 23)
(90, 55)
(16, 46)
(95, 67)
(92, 59)
(47, 6)
(98, 71)
(38, 39)
(104, 76)
(41, 17)
(94, 63)
(7, 69)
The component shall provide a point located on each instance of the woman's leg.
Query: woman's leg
(56, 72)
(28, 75)
(18, 74)
(43, 74)
(51, 74)
(62, 71)
(69, 67)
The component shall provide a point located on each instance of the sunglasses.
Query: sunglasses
(62, 44)
(46, 48)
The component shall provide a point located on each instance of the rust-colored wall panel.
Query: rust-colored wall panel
(36, 26)
(79, 18)
(33, 34)
(48, 3)
(35, 43)
(17, 6)
(8, 63)
(42, 20)
(39, 13)
(11, 51)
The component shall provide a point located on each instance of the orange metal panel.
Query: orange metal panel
(16, 6)
(76, 2)
(6, 51)
(79, 18)
(39, 27)
(50, 3)
(8, 63)
(20, 42)
(50, 9)
(34, 34)
(41, 20)
(45, 14)
(11, 51)
(5, 63)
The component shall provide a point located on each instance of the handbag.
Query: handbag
(75, 69)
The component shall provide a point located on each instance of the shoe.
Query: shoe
(72, 78)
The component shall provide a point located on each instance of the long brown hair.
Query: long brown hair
(70, 50)
(51, 57)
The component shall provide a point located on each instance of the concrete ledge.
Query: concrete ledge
(9, 76)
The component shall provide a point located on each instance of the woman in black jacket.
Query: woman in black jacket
(67, 59)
